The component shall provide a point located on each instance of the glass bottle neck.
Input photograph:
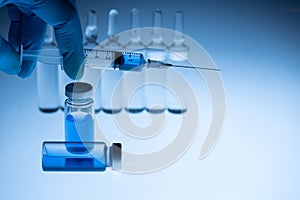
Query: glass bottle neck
(79, 102)
(49, 37)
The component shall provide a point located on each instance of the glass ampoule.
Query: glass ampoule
(157, 49)
(91, 35)
(177, 101)
(91, 30)
(47, 78)
(133, 92)
(155, 79)
(178, 50)
(134, 43)
(111, 89)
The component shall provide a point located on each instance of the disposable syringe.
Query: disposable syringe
(99, 58)
(106, 60)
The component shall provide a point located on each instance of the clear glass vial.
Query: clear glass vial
(79, 112)
(91, 156)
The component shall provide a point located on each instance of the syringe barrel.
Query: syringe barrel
(102, 59)
(129, 61)
(114, 60)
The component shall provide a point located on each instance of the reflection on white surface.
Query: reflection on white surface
(256, 158)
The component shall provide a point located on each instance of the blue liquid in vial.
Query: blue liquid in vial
(57, 156)
(79, 127)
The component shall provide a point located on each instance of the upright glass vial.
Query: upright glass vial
(79, 113)
(47, 78)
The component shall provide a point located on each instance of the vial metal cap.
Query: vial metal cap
(116, 156)
(79, 90)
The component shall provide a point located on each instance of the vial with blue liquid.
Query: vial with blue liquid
(79, 151)
(90, 156)
(79, 113)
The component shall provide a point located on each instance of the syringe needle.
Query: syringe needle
(194, 67)
(160, 64)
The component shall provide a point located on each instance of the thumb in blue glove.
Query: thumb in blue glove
(9, 58)
(28, 26)
(25, 29)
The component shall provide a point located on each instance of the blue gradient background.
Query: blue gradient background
(257, 46)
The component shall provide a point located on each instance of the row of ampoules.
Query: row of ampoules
(117, 90)
(135, 43)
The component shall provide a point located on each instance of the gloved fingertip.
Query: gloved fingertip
(73, 65)
(15, 70)
(9, 58)
(74, 72)
(12, 67)
(26, 69)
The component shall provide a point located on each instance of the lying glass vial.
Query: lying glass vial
(85, 156)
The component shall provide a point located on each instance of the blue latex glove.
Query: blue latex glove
(28, 27)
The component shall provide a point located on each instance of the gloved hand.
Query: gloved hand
(28, 26)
